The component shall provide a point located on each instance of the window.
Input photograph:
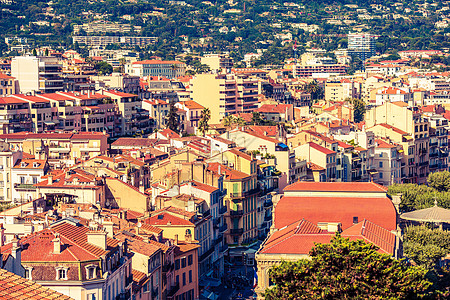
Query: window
(380, 164)
(355, 220)
(90, 272)
(190, 276)
(28, 273)
(184, 279)
(177, 264)
(177, 280)
(183, 262)
(91, 297)
(61, 273)
(190, 260)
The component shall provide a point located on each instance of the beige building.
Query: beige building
(217, 61)
(411, 128)
(225, 94)
(341, 90)
(7, 85)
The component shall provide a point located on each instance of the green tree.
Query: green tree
(203, 125)
(440, 181)
(228, 121)
(103, 68)
(172, 118)
(256, 118)
(315, 90)
(359, 109)
(426, 246)
(345, 269)
(34, 52)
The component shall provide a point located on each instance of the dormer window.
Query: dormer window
(90, 272)
(23, 164)
(61, 273)
(35, 165)
(28, 273)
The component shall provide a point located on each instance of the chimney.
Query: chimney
(97, 237)
(57, 244)
(50, 180)
(176, 239)
(15, 251)
(138, 227)
(109, 228)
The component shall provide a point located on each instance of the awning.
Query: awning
(49, 123)
(263, 165)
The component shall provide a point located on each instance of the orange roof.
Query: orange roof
(11, 100)
(190, 104)
(395, 129)
(229, 173)
(274, 108)
(4, 76)
(166, 219)
(204, 187)
(320, 148)
(392, 91)
(14, 287)
(379, 210)
(359, 187)
(383, 144)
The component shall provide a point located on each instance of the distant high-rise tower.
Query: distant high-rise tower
(361, 45)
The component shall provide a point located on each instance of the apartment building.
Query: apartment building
(104, 26)
(388, 161)
(193, 112)
(406, 126)
(7, 85)
(37, 74)
(117, 81)
(438, 145)
(341, 90)
(59, 148)
(225, 94)
(14, 115)
(321, 156)
(217, 62)
(169, 69)
(393, 94)
(103, 41)
(362, 45)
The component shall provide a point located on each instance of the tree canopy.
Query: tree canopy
(345, 269)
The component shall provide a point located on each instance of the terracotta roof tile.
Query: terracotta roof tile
(14, 287)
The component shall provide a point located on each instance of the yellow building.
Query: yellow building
(225, 94)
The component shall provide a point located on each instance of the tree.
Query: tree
(256, 118)
(239, 121)
(440, 181)
(345, 269)
(203, 125)
(315, 90)
(359, 109)
(172, 118)
(228, 121)
(426, 246)
(103, 68)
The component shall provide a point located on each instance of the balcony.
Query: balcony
(244, 194)
(223, 248)
(268, 203)
(423, 163)
(223, 228)
(436, 154)
(237, 231)
(443, 154)
(433, 144)
(223, 210)
(206, 254)
(267, 218)
(173, 290)
(24, 186)
(434, 166)
(236, 213)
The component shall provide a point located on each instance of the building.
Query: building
(361, 45)
(169, 69)
(117, 81)
(217, 62)
(77, 261)
(15, 287)
(7, 85)
(225, 94)
(103, 41)
(312, 212)
(37, 74)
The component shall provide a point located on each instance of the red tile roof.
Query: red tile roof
(383, 144)
(229, 173)
(11, 100)
(14, 287)
(170, 134)
(320, 148)
(275, 108)
(271, 131)
(190, 104)
(165, 219)
(357, 187)
(336, 209)
(395, 129)
(4, 76)
(159, 62)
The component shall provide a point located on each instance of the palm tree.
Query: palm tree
(228, 121)
(203, 125)
(239, 121)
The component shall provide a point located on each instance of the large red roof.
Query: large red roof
(378, 210)
(357, 187)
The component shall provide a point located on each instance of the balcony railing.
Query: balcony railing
(223, 210)
(206, 254)
(268, 203)
(223, 248)
(236, 213)
(173, 290)
(236, 231)
(267, 218)
(223, 228)
(24, 186)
